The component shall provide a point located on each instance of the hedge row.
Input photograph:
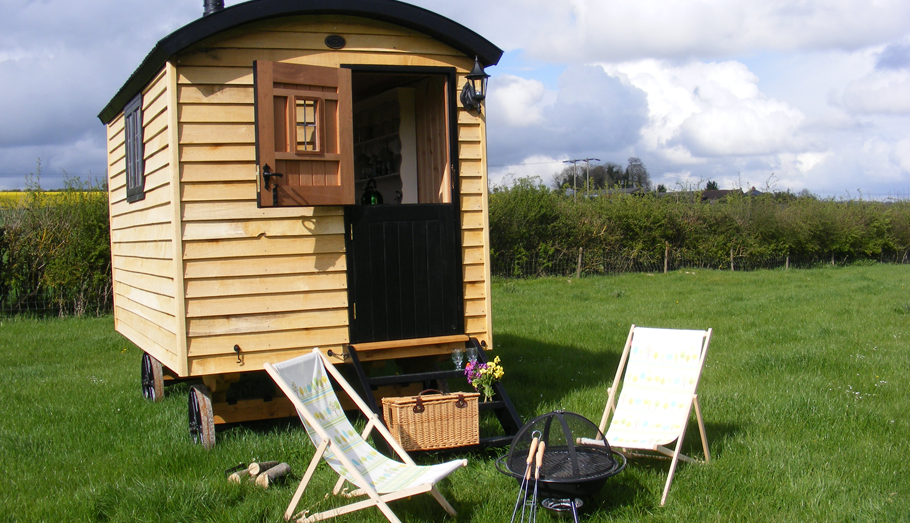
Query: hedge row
(55, 255)
(55, 247)
(530, 220)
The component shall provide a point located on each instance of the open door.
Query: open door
(303, 135)
(404, 256)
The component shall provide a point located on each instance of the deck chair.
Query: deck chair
(305, 381)
(659, 370)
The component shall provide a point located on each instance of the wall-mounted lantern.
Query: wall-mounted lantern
(475, 89)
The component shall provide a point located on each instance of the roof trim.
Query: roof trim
(391, 11)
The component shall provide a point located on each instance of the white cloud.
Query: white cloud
(577, 31)
(815, 91)
(882, 91)
(699, 110)
(518, 100)
(592, 112)
(751, 127)
(536, 166)
(900, 155)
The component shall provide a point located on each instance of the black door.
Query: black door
(404, 272)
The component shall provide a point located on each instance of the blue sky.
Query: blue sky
(810, 95)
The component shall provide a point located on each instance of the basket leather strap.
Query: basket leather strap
(418, 405)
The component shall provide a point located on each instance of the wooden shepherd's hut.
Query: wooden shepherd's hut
(247, 155)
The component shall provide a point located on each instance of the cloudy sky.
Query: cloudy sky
(792, 94)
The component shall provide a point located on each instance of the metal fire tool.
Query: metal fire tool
(525, 479)
(540, 450)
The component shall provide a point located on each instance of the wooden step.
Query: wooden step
(413, 342)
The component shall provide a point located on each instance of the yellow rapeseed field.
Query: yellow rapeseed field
(13, 198)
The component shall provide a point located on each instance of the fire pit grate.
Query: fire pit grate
(577, 461)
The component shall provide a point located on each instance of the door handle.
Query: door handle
(267, 175)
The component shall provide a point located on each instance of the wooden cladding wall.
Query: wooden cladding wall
(142, 234)
(273, 281)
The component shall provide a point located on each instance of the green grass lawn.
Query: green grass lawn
(805, 396)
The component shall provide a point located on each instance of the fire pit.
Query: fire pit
(576, 463)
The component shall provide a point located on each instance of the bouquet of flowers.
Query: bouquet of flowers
(483, 375)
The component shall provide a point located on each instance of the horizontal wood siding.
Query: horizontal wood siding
(142, 233)
(475, 234)
(273, 281)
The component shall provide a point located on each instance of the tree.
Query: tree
(711, 186)
(636, 175)
(566, 178)
(598, 176)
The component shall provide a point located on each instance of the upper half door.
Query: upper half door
(303, 135)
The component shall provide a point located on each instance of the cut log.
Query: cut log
(273, 474)
(236, 477)
(258, 468)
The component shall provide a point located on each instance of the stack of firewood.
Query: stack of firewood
(263, 473)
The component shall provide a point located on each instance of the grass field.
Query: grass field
(805, 396)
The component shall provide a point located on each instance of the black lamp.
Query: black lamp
(475, 89)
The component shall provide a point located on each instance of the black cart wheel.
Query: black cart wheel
(152, 378)
(202, 421)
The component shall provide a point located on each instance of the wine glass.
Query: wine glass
(457, 357)
(472, 354)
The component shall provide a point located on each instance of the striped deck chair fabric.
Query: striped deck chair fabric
(305, 380)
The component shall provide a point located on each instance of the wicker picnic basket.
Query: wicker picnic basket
(437, 421)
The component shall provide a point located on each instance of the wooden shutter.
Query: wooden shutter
(304, 131)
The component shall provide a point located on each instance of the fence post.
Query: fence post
(578, 268)
(788, 262)
(666, 255)
(731, 259)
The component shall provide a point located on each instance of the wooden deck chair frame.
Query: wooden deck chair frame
(373, 422)
(661, 451)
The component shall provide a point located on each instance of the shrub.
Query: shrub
(55, 250)
(528, 218)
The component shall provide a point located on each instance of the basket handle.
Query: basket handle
(418, 407)
(437, 391)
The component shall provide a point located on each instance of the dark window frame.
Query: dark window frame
(135, 149)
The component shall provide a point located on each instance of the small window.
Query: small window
(135, 150)
(306, 126)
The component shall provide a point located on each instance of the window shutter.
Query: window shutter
(304, 133)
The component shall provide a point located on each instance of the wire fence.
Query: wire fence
(49, 303)
(579, 263)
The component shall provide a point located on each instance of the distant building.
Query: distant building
(717, 195)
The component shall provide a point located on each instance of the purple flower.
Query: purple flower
(472, 371)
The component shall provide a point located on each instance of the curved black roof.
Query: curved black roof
(392, 11)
